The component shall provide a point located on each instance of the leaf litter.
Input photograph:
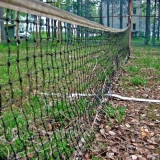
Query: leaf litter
(138, 135)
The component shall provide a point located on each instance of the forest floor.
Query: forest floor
(134, 135)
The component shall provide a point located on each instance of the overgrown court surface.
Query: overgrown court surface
(133, 133)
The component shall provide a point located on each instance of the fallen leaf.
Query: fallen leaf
(140, 157)
(150, 124)
(134, 157)
(134, 120)
(150, 147)
(127, 125)
(97, 135)
(112, 133)
(49, 127)
(133, 140)
(99, 139)
(111, 143)
(152, 134)
(114, 149)
(136, 144)
(107, 128)
(151, 157)
(110, 155)
(87, 156)
(101, 126)
(144, 132)
(150, 141)
(102, 131)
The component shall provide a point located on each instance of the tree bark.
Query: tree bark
(55, 29)
(101, 20)
(78, 13)
(121, 12)
(81, 30)
(86, 13)
(2, 28)
(154, 25)
(158, 19)
(108, 24)
(17, 26)
(48, 27)
(147, 29)
(59, 25)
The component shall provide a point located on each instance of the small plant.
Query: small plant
(116, 113)
(95, 158)
(133, 69)
(137, 80)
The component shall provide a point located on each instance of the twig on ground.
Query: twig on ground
(95, 118)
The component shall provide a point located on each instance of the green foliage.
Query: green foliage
(133, 69)
(60, 112)
(137, 80)
(116, 113)
(95, 158)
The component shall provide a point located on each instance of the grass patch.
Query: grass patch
(133, 69)
(95, 158)
(142, 69)
(117, 113)
(34, 124)
(137, 80)
(36, 121)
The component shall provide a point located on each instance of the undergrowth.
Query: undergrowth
(117, 113)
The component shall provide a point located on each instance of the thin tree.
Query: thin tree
(69, 28)
(82, 15)
(17, 26)
(158, 19)
(59, 25)
(121, 16)
(2, 28)
(78, 13)
(147, 29)
(100, 10)
(154, 23)
(108, 24)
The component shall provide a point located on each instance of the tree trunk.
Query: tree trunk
(55, 29)
(17, 26)
(121, 12)
(100, 10)
(48, 27)
(2, 29)
(158, 19)
(86, 13)
(108, 13)
(36, 23)
(78, 13)
(47, 24)
(154, 25)
(59, 25)
(82, 33)
(147, 31)
(69, 29)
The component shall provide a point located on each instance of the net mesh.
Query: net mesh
(52, 78)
